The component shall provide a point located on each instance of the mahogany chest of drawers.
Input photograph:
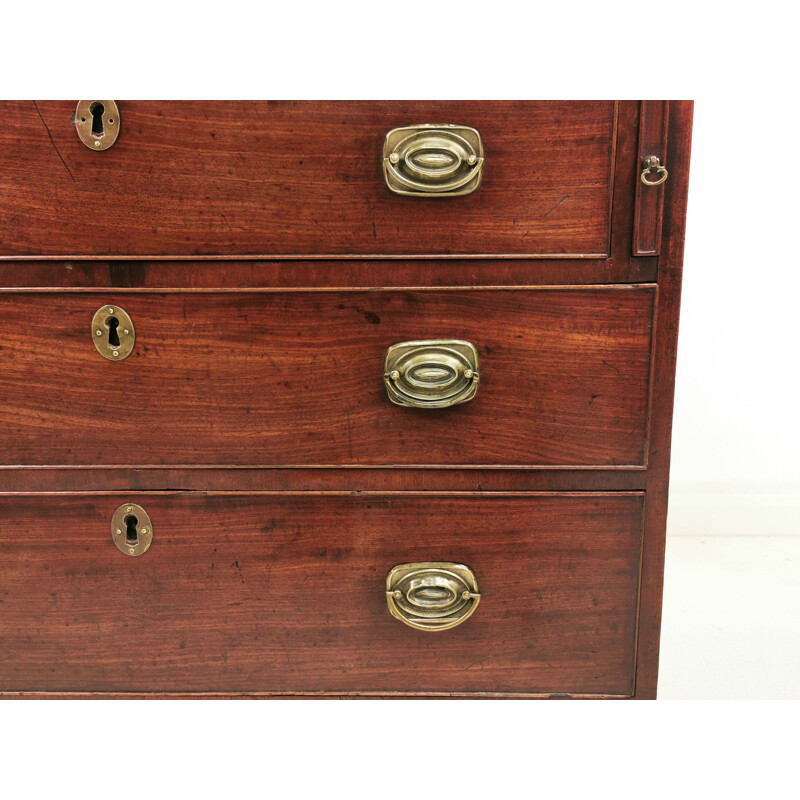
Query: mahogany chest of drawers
(336, 398)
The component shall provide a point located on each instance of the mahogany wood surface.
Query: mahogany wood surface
(653, 128)
(363, 479)
(275, 378)
(261, 274)
(300, 178)
(664, 358)
(267, 268)
(286, 593)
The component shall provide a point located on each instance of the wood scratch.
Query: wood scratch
(50, 136)
(560, 203)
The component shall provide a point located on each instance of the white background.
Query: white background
(731, 615)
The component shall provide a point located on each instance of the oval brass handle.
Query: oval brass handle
(433, 160)
(434, 373)
(651, 163)
(432, 595)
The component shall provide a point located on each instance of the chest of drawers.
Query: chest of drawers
(354, 398)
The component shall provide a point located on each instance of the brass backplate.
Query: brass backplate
(97, 123)
(132, 529)
(432, 373)
(113, 333)
(432, 595)
(433, 160)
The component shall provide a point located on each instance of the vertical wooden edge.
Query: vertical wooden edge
(670, 269)
(649, 201)
(622, 198)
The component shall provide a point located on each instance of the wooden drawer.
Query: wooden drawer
(293, 179)
(297, 378)
(286, 593)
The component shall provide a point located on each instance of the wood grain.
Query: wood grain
(665, 355)
(297, 379)
(283, 593)
(653, 128)
(292, 178)
(352, 273)
(366, 479)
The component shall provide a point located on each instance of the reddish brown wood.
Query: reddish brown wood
(653, 127)
(297, 379)
(280, 593)
(354, 273)
(272, 575)
(665, 352)
(292, 178)
(233, 478)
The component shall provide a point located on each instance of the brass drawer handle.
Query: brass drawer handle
(432, 595)
(433, 160)
(435, 373)
(651, 164)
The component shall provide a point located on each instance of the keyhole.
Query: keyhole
(131, 534)
(97, 110)
(112, 323)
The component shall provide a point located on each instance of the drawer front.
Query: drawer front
(297, 378)
(288, 178)
(287, 593)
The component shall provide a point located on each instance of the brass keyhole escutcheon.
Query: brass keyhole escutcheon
(113, 333)
(97, 123)
(132, 529)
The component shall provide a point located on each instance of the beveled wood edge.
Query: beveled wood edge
(311, 257)
(486, 480)
(665, 334)
(492, 467)
(374, 695)
(539, 287)
(341, 493)
(425, 273)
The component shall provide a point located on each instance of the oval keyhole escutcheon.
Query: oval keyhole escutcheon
(113, 333)
(97, 123)
(131, 529)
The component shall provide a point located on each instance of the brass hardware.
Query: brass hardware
(131, 529)
(97, 123)
(431, 374)
(649, 164)
(432, 595)
(113, 333)
(433, 160)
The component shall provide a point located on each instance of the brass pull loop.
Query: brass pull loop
(651, 163)
(432, 595)
(433, 160)
(436, 373)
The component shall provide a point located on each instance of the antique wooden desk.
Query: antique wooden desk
(355, 398)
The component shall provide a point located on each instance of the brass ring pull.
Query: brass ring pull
(435, 373)
(432, 595)
(651, 163)
(433, 160)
